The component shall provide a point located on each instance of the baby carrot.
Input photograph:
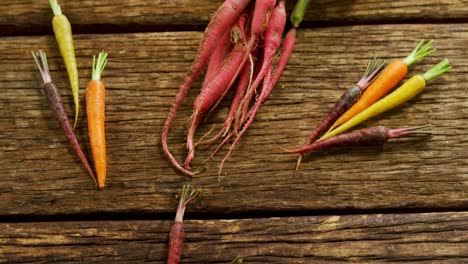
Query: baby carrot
(176, 237)
(57, 106)
(404, 93)
(390, 76)
(345, 102)
(63, 35)
(95, 110)
(372, 136)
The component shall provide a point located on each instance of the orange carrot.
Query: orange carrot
(95, 108)
(390, 76)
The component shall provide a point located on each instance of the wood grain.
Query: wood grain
(41, 176)
(34, 17)
(388, 238)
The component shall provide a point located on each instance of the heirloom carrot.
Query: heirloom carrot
(372, 136)
(404, 93)
(346, 100)
(390, 76)
(63, 35)
(223, 19)
(176, 237)
(57, 106)
(95, 111)
(212, 92)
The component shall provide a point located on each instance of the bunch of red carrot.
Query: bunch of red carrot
(241, 43)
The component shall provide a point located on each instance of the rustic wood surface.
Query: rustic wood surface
(414, 238)
(33, 16)
(49, 209)
(142, 76)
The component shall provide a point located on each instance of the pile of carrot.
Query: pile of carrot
(366, 103)
(95, 96)
(243, 42)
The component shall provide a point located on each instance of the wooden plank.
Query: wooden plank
(388, 238)
(40, 175)
(34, 17)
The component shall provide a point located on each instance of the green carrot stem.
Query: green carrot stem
(298, 13)
(55, 7)
(441, 68)
(99, 65)
(186, 197)
(419, 52)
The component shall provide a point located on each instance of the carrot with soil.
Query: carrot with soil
(95, 111)
(414, 86)
(176, 237)
(391, 76)
(373, 136)
(64, 37)
(346, 100)
(57, 106)
(223, 19)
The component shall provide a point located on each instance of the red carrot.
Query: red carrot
(223, 19)
(272, 43)
(346, 101)
(176, 237)
(212, 93)
(287, 49)
(240, 91)
(373, 136)
(57, 106)
(219, 54)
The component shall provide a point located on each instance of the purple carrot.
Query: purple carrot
(224, 18)
(374, 67)
(372, 136)
(56, 104)
(176, 237)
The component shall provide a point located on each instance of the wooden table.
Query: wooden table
(405, 202)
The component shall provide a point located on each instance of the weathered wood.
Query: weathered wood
(40, 175)
(388, 238)
(34, 17)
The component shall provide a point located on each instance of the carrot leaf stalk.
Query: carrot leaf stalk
(176, 237)
(419, 52)
(441, 68)
(99, 66)
(414, 86)
(64, 37)
(298, 13)
(188, 194)
(238, 260)
(57, 106)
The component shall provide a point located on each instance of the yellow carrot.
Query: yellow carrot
(63, 35)
(404, 93)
